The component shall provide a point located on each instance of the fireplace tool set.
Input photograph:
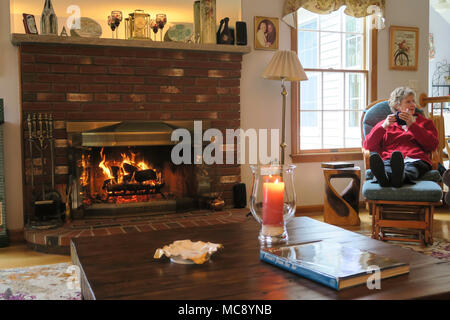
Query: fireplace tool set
(47, 203)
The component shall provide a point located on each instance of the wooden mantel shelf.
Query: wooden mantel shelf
(18, 39)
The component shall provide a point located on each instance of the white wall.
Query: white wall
(9, 91)
(440, 28)
(260, 99)
(405, 13)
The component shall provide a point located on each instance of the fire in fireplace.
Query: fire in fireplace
(128, 179)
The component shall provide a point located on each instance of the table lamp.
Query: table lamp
(284, 66)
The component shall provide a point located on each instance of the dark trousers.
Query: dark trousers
(413, 170)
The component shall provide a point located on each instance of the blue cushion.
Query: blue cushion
(421, 191)
(374, 115)
(432, 175)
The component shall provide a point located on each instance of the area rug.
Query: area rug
(440, 249)
(46, 282)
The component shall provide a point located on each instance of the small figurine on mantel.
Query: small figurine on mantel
(49, 21)
(64, 32)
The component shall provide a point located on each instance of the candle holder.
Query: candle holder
(272, 201)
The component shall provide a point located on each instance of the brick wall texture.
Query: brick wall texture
(90, 83)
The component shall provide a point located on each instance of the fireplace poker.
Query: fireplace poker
(51, 142)
(41, 143)
(30, 140)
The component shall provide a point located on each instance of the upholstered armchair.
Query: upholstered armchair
(406, 213)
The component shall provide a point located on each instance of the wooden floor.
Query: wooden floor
(18, 256)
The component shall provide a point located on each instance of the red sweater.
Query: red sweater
(416, 143)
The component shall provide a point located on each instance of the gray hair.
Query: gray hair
(398, 95)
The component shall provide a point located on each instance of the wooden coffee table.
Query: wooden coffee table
(122, 267)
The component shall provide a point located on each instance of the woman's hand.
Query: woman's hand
(390, 119)
(407, 117)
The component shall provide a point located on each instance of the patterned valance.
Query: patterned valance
(354, 8)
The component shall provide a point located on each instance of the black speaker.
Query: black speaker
(239, 195)
(241, 33)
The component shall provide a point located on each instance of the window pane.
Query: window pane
(355, 97)
(330, 22)
(353, 51)
(305, 18)
(310, 92)
(330, 50)
(333, 129)
(307, 49)
(311, 136)
(333, 91)
(352, 132)
(353, 24)
(355, 103)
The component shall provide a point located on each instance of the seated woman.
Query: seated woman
(402, 142)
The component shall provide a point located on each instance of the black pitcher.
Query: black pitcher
(224, 35)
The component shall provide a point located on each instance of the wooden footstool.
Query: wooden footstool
(341, 208)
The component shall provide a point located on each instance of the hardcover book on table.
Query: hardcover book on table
(332, 264)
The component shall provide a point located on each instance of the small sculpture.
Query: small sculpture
(64, 32)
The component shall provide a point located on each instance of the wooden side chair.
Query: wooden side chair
(437, 115)
(402, 214)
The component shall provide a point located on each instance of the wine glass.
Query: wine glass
(154, 26)
(161, 20)
(112, 25)
(116, 19)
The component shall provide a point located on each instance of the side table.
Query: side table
(341, 208)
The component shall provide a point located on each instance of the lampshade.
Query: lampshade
(285, 64)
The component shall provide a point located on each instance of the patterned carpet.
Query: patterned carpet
(48, 282)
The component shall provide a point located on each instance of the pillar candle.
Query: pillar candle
(273, 199)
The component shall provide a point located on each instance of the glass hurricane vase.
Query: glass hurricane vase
(272, 201)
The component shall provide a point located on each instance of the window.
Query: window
(332, 50)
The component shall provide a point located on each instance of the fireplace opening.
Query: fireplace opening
(116, 171)
(123, 175)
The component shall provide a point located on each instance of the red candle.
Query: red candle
(273, 198)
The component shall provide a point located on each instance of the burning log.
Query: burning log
(106, 183)
(132, 188)
(115, 172)
(129, 168)
(145, 175)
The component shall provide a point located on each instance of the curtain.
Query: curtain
(354, 8)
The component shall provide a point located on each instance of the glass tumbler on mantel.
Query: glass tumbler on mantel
(273, 201)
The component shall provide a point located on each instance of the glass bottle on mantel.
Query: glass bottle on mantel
(49, 21)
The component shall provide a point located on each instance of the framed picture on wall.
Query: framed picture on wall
(403, 48)
(267, 33)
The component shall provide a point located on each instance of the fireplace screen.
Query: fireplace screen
(127, 167)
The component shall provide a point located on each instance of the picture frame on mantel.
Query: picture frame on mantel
(267, 33)
(403, 48)
(29, 23)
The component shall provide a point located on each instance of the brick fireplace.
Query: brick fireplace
(92, 83)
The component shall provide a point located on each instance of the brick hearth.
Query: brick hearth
(57, 240)
(101, 83)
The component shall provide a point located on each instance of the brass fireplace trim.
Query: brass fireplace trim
(122, 134)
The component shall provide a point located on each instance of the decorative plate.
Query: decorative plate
(89, 29)
(180, 32)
